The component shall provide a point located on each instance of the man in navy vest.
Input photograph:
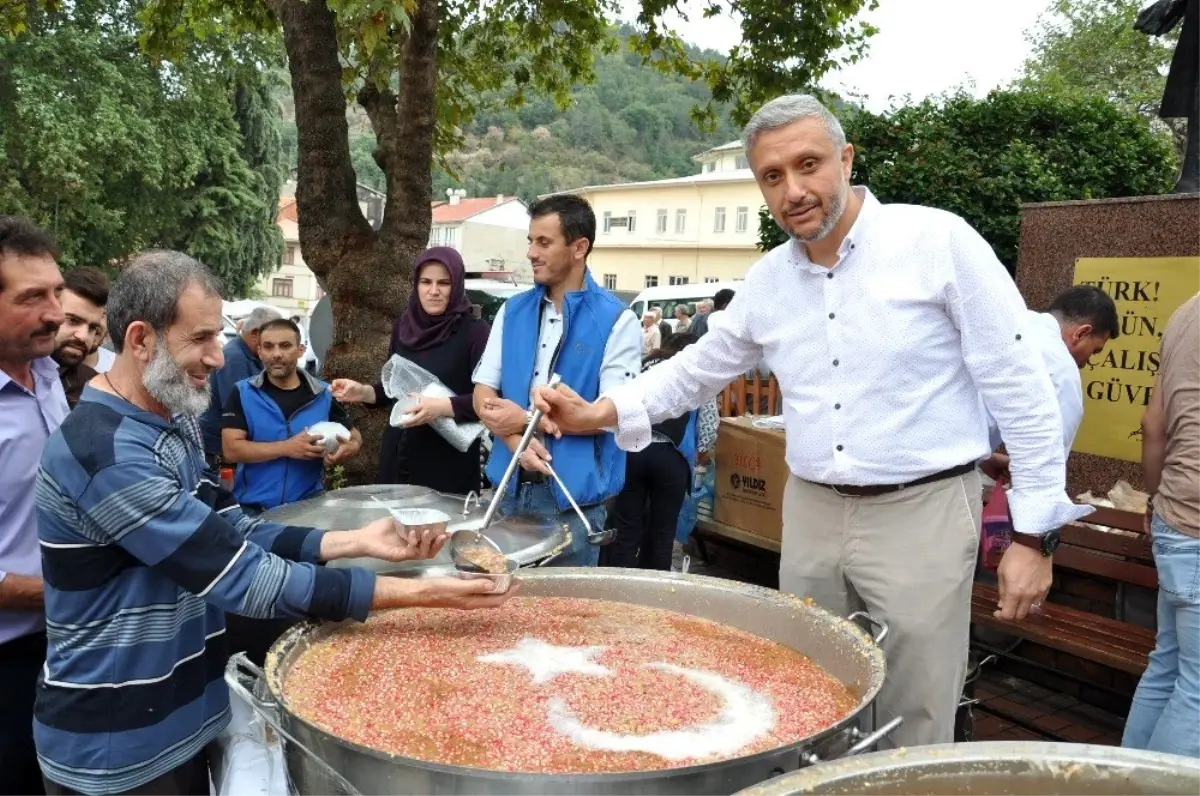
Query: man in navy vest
(265, 421)
(566, 324)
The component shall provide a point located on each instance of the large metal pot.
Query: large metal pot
(836, 644)
(992, 768)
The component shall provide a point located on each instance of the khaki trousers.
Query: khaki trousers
(907, 558)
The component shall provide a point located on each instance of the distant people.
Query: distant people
(651, 334)
(683, 319)
(439, 332)
(658, 478)
(32, 405)
(664, 328)
(85, 292)
(241, 362)
(719, 302)
(265, 422)
(1166, 706)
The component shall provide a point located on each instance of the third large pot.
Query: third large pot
(837, 645)
(995, 768)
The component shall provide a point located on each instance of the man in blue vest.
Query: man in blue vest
(266, 420)
(241, 362)
(566, 324)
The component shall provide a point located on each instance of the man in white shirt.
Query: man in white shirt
(885, 325)
(1076, 327)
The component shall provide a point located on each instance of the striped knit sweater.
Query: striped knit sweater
(142, 552)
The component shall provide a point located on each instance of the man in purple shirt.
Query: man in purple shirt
(32, 404)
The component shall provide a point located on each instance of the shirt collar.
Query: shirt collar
(44, 370)
(122, 407)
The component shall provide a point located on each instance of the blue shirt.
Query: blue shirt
(27, 419)
(240, 363)
(142, 553)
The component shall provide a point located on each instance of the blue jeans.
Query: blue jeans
(538, 500)
(1165, 716)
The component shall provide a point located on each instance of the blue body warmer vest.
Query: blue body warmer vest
(592, 467)
(273, 483)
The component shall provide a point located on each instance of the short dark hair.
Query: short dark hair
(282, 323)
(90, 283)
(1087, 304)
(722, 299)
(20, 236)
(575, 216)
(149, 288)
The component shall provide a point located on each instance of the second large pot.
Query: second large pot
(839, 646)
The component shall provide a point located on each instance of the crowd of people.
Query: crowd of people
(906, 359)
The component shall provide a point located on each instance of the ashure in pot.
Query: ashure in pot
(836, 645)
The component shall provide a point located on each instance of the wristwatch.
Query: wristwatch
(1045, 544)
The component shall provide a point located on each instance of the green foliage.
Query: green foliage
(116, 154)
(982, 159)
(1091, 47)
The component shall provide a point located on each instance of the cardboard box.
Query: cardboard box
(751, 475)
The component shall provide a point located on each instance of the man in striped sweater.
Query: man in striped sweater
(142, 552)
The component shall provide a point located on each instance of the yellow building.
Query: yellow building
(702, 228)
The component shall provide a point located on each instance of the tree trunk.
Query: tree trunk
(367, 274)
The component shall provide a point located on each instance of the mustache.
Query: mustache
(46, 328)
(792, 208)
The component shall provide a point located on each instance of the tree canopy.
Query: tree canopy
(116, 153)
(983, 158)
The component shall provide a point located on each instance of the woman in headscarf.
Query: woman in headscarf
(439, 332)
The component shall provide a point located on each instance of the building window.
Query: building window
(651, 281)
(677, 280)
(451, 237)
(661, 222)
(719, 220)
(680, 221)
(708, 280)
(289, 254)
(610, 281)
(281, 288)
(632, 220)
(709, 167)
(608, 221)
(741, 162)
(743, 219)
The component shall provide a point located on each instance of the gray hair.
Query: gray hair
(149, 288)
(789, 108)
(259, 318)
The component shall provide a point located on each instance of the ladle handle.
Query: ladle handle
(515, 462)
(240, 666)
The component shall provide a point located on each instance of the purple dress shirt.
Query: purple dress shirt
(27, 419)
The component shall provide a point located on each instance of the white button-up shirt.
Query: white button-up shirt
(882, 361)
(1046, 336)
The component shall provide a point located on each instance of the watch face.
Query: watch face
(1050, 542)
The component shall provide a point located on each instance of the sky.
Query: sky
(923, 47)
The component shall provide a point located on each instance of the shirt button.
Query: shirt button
(835, 363)
(831, 316)
(537, 373)
(829, 275)
(1018, 337)
(837, 406)
(839, 447)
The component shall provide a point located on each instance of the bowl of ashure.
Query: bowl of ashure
(588, 681)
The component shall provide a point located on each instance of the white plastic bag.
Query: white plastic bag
(332, 434)
(402, 379)
(247, 758)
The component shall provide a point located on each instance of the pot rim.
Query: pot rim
(311, 630)
(974, 753)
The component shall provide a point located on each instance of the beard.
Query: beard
(837, 206)
(168, 384)
(70, 354)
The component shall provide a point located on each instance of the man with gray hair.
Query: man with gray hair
(143, 553)
(241, 362)
(885, 325)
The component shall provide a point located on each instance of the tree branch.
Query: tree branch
(326, 196)
(381, 110)
(410, 184)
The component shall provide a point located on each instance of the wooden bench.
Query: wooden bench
(751, 395)
(1114, 557)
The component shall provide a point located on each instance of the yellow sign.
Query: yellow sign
(1117, 384)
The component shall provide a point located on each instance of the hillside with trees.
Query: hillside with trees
(633, 123)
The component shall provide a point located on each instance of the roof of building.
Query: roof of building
(445, 213)
(730, 147)
(287, 209)
(736, 175)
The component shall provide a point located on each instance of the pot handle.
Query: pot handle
(240, 670)
(879, 626)
(870, 739)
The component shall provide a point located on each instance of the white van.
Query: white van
(671, 296)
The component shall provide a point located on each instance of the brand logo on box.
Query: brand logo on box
(747, 484)
(748, 461)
